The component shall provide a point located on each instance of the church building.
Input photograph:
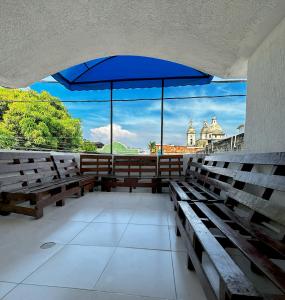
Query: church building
(208, 133)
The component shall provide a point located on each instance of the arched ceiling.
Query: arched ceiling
(40, 37)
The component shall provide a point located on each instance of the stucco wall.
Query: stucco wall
(265, 119)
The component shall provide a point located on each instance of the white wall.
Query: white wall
(265, 119)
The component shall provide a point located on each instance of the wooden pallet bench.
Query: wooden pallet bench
(68, 170)
(96, 164)
(190, 190)
(170, 167)
(241, 238)
(187, 191)
(132, 172)
(29, 181)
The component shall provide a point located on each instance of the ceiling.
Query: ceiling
(40, 37)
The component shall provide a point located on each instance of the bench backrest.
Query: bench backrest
(253, 185)
(140, 166)
(24, 169)
(170, 165)
(99, 164)
(66, 165)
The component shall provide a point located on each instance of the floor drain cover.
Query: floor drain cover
(47, 245)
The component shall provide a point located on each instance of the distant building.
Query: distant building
(208, 133)
(174, 149)
(240, 128)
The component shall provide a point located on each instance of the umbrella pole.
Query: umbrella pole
(111, 117)
(162, 111)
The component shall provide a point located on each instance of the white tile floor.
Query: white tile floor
(109, 246)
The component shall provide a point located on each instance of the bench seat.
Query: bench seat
(132, 172)
(68, 170)
(31, 177)
(228, 210)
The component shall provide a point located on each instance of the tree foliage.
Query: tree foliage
(37, 120)
(88, 146)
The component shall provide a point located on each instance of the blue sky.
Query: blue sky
(136, 123)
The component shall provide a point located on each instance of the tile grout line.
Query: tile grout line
(92, 290)
(21, 282)
(107, 264)
(17, 284)
(58, 251)
(172, 263)
(115, 248)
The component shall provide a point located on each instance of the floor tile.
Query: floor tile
(139, 272)
(42, 230)
(114, 216)
(176, 242)
(5, 288)
(100, 234)
(33, 292)
(19, 261)
(74, 266)
(146, 236)
(187, 284)
(171, 219)
(76, 212)
(151, 217)
(156, 202)
(57, 231)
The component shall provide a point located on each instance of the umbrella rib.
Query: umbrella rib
(88, 69)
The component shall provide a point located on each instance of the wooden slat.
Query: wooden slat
(83, 170)
(181, 194)
(233, 278)
(170, 169)
(265, 180)
(274, 244)
(96, 156)
(275, 158)
(137, 170)
(193, 191)
(162, 163)
(206, 191)
(256, 203)
(26, 178)
(9, 168)
(271, 270)
(95, 163)
(174, 156)
(23, 155)
(134, 163)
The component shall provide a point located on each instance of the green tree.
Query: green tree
(88, 146)
(37, 120)
(152, 146)
(7, 139)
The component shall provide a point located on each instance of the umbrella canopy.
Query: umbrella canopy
(123, 71)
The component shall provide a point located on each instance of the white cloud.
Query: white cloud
(25, 88)
(102, 134)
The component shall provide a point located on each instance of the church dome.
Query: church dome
(215, 128)
(205, 128)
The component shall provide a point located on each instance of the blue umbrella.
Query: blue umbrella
(124, 71)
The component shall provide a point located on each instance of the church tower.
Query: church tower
(191, 135)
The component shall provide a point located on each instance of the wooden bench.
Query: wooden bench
(238, 236)
(187, 188)
(31, 178)
(96, 164)
(132, 172)
(170, 167)
(68, 170)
